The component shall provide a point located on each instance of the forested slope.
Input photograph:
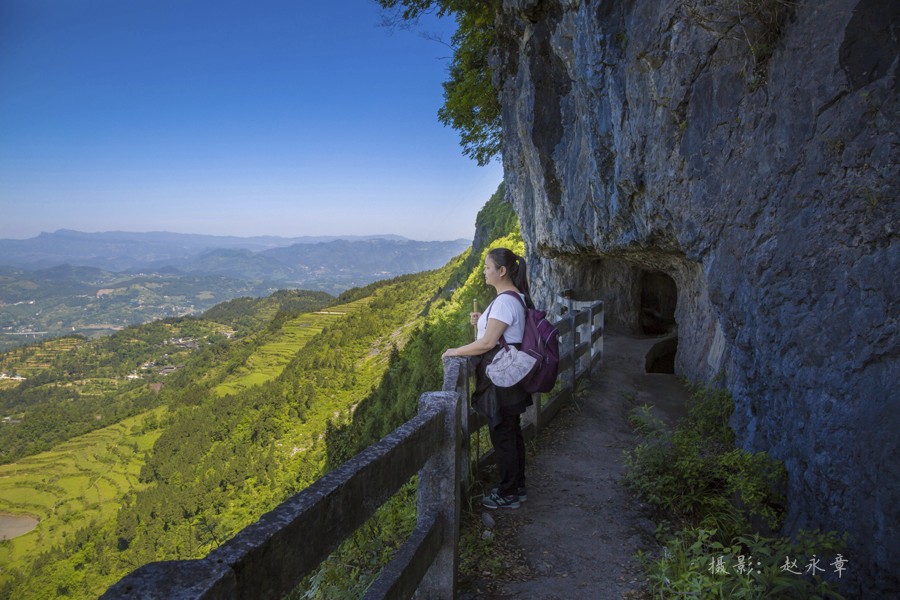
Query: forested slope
(267, 395)
(413, 369)
(72, 386)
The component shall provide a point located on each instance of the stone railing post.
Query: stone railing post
(572, 377)
(439, 494)
(533, 413)
(598, 315)
(456, 379)
(567, 297)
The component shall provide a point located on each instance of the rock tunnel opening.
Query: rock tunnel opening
(658, 299)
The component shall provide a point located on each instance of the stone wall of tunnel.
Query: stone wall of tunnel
(624, 283)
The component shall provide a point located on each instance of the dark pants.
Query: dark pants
(509, 449)
(506, 405)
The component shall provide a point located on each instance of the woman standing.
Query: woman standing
(505, 316)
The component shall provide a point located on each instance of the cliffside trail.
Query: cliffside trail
(577, 534)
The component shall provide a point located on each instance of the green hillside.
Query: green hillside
(266, 397)
(71, 386)
(271, 356)
(245, 425)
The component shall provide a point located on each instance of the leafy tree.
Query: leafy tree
(471, 105)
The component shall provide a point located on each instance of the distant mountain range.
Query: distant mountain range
(267, 258)
(94, 283)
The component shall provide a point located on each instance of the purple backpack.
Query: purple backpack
(541, 340)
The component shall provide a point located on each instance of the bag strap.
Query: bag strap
(488, 314)
(517, 296)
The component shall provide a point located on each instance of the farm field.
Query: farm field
(269, 360)
(78, 484)
(35, 358)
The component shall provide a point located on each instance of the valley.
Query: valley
(89, 302)
(162, 440)
(246, 417)
(69, 282)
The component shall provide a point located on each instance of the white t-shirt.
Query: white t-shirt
(507, 309)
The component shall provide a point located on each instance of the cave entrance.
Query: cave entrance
(659, 296)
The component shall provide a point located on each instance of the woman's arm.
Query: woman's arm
(491, 336)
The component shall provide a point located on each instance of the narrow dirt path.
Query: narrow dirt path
(577, 534)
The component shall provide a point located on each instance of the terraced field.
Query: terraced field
(32, 359)
(78, 484)
(269, 360)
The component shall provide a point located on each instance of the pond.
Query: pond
(15, 525)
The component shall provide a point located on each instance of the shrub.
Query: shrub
(757, 23)
(693, 563)
(695, 474)
(710, 494)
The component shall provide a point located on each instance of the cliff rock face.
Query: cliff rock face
(728, 170)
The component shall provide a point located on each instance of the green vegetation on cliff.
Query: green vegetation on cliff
(412, 369)
(717, 508)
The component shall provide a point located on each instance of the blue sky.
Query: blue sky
(228, 118)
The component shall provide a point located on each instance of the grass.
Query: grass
(78, 483)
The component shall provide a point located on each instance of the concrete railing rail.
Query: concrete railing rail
(270, 557)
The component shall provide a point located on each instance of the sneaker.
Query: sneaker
(497, 501)
(521, 492)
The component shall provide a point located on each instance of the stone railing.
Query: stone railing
(270, 557)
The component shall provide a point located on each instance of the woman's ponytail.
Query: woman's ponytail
(516, 267)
